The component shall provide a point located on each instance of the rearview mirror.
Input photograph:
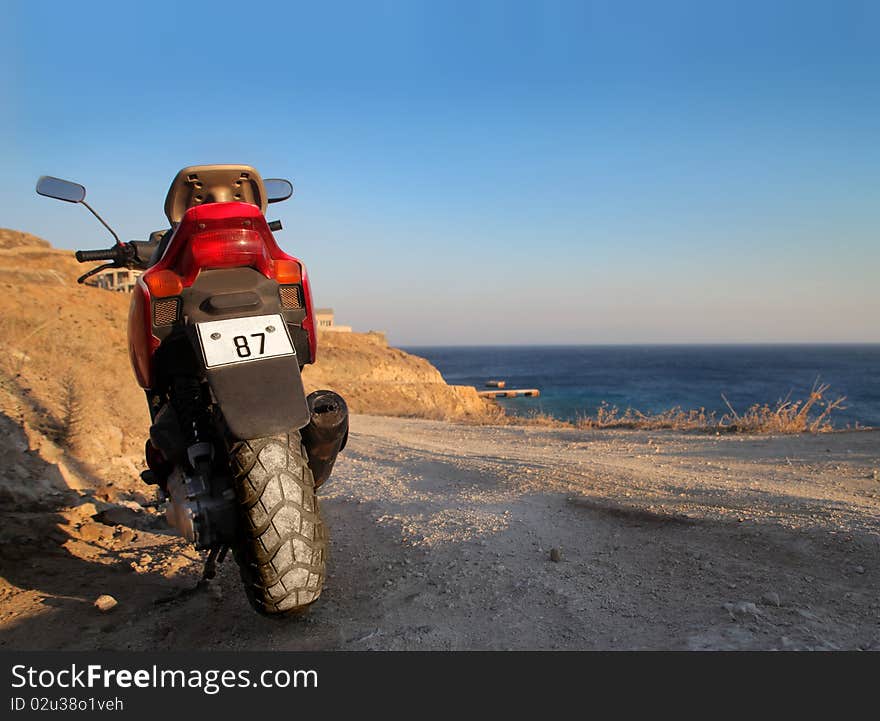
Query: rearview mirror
(61, 189)
(277, 189)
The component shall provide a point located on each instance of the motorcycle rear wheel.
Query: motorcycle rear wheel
(282, 547)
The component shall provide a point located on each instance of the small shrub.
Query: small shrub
(787, 416)
(71, 411)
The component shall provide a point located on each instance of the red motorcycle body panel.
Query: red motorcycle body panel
(210, 236)
(142, 344)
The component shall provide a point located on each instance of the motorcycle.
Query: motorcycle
(220, 326)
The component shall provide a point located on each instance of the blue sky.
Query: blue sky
(487, 172)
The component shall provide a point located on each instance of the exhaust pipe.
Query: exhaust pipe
(327, 432)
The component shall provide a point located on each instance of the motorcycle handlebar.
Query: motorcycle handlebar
(88, 256)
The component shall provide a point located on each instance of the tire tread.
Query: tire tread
(283, 543)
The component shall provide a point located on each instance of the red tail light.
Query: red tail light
(222, 248)
(228, 249)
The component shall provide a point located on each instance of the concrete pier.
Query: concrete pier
(511, 393)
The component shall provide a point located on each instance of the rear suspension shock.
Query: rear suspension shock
(188, 400)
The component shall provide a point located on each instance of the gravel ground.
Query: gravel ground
(447, 536)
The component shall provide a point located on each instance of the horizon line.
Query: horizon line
(655, 344)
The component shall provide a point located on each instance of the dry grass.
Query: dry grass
(535, 418)
(608, 416)
(811, 415)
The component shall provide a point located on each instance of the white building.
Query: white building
(324, 321)
(122, 280)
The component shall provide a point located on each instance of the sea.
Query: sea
(575, 380)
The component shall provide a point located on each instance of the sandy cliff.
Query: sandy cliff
(378, 379)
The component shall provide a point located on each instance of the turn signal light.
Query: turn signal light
(163, 283)
(287, 271)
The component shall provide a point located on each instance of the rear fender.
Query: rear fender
(260, 398)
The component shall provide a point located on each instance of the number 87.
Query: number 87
(244, 350)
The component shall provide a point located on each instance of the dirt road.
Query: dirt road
(442, 537)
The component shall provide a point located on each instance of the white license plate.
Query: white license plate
(241, 340)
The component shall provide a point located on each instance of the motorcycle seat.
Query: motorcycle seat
(201, 184)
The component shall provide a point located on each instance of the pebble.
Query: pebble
(105, 603)
(742, 608)
(555, 555)
(859, 569)
(771, 598)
